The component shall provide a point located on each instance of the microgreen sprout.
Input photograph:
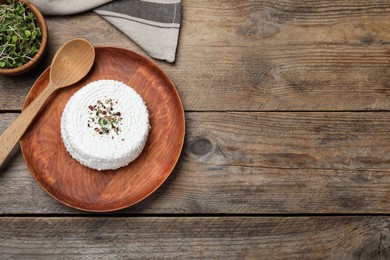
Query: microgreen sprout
(20, 37)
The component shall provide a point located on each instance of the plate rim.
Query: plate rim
(25, 104)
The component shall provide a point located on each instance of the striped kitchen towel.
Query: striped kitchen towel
(152, 24)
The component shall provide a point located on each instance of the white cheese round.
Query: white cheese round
(105, 125)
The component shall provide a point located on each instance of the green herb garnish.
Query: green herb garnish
(102, 121)
(20, 37)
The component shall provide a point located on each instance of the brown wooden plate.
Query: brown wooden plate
(83, 188)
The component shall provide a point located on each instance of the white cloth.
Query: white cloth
(153, 24)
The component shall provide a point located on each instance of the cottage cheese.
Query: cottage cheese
(105, 125)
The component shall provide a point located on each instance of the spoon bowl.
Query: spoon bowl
(63, 71)
(70, 64)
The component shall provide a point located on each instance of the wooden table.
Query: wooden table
(287, 149)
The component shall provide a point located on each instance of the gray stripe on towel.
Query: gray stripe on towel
(158, 12)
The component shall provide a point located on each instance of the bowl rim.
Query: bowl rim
(30, 64)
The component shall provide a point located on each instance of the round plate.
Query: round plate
(86, 189)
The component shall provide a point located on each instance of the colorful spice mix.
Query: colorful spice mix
(103, 117)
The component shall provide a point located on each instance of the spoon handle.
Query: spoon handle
(16, 130)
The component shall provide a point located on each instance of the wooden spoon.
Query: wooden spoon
(70, 64)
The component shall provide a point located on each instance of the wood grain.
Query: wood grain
(256, 163)
(83, 188)
(267, 55)
(263, 58)
(197, 238)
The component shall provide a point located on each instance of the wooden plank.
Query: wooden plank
(258, 55)
(205, 238)
(255, 163)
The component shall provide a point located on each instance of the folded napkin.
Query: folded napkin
(152, 24)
